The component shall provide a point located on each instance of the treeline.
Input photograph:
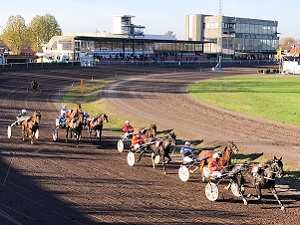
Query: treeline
(17, 36)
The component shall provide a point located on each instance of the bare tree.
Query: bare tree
(287, 41)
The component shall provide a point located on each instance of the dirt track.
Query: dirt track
(55, 183)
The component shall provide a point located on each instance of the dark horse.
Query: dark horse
(161, 150)
(261, 177)
(96, 123)
(31, 124)
(75, 126)
(205, 157)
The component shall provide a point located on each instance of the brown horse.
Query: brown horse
(151, 131)
(143, 135)
(205, 157)
(96, 123)
(71, 114)
(32, 125)
(75, 126)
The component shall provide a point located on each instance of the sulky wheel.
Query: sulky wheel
(211, 191)
(183, 173)
(120, 146)
(55, 134)
(130, 158)
(9, 131)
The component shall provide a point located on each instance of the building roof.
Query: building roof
(295, 50)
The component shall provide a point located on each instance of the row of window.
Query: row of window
(244, 28)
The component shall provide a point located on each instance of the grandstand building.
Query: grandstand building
(234, 37)
(240, 38)
(127, 41)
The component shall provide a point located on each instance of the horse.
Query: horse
(205, 157)
(75, 126)
(150, 132)
(71, 114)
(140, 136)
(260, 177)
(96, 123)
(162, 149)
(32, 125)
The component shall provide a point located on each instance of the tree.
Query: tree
(42, 29)
(284, 42)
(15, 34)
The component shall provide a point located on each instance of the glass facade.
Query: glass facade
(236, 37)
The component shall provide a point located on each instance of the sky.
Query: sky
(158, 16)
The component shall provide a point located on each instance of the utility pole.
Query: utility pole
(220, 7)
(218, 67)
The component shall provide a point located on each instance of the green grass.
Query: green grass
(275, 98)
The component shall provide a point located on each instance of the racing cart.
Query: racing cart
(144, 148)
(121, 142)
(34, 87)
(212, 190)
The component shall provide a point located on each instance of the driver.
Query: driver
(34, 83)
(127, 129)
(214, 166)
(20, 118)
(186, 153)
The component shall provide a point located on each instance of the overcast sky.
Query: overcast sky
(158, 16)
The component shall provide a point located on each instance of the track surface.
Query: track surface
(55, 183)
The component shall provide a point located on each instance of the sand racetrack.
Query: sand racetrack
(55, 183)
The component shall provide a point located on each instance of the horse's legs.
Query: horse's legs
(100, 132)
(32, 137)
(140, 156)
(77, 138)
(164, 163)
(153, 155)
(23, 132)
(67, 134)
(238, 179)
(258, 192)
(90, 132)
(201, 164)
(273, 190)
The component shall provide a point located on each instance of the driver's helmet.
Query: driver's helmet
(187, 143)
(216, 156)
(24, 111)
(85, 112)
(127, 122)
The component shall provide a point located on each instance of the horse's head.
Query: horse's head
(171, 138)
(152, 131)
(231, 148)
(277, 166)
(104, 117)
(169, 142)
(37, 116)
